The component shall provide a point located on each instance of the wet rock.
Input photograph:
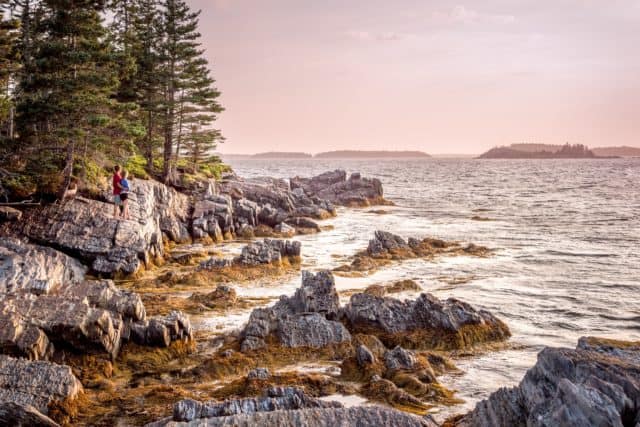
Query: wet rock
(423, 323)
(337, 189)
(259, 374)
(384, 242)
(598, 383)
(86, 229)
(28, 389)
(364, 356)
(35, 269)
(399, 358)
(9, 214)
(215, 263)
(285, 406)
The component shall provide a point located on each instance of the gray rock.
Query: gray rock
(299, 321)
(285, 230)
(384, 242)
(246, 212)
(161, 331)
(303, 224)
(268, 252)
(364, 356)
(391, 316)
(317, 294)
(36, 269)
(259, 374)
(596, 384)
(214, 263)
(311, 330)
(399, 358)
(35, 384)
(86, 229)
(337, 189)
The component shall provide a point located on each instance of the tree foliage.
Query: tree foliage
(97, 82)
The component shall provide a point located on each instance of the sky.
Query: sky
(436, 76)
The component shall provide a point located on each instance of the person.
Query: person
(117, 202)
(124, 194)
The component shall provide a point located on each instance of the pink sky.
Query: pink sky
(436, 76)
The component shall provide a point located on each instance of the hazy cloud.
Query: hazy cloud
(375, 35)
(461, 14)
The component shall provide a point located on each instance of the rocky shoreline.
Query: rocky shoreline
(95, 333)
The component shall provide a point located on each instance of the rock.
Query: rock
(246, 212)
(285, 230)
(399, 358)
(301, 320)
(13, 414)
(214, 263)
(9, 214)
(268, 252)
(304, 225)
(213, 217)
(337, 189)
(66, 321)
(259, 374)
(364, 356)
(384, 242)
(424, 323)
(104, 294)
(311, 330)
(223, 297)
(86, 229)
(598, 383)
(317, 295)
(285, 406)
(161, 331)
(28, 389)
(35, 269)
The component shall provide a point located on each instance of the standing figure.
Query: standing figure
(124, 194)
(117, 201)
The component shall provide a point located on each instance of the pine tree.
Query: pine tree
(66, 102)
(9, 66)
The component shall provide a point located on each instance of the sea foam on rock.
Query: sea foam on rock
(596, 384)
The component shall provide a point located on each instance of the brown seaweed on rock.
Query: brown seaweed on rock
(386, 248)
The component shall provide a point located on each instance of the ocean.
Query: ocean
(566, 236)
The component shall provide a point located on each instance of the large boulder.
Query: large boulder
(301, 320)
(35, 269)
(86, 229)
(29, 389)
(337, 189)
(213, 215)
(267, 251)
(286, 407)
(424, 323)
(597, 384)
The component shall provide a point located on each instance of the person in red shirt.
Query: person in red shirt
(117, 202)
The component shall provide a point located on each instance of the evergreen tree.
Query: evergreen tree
(9, 65)
(66, 103)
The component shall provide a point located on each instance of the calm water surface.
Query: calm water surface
(566, 234)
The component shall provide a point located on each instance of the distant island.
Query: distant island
(281, 155)
(540, 151)
(341, 154)
(617, 151)
(356, 154)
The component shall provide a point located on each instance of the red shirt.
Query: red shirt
(116, 188)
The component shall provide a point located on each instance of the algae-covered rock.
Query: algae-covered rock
(596, 384)
(424, 323)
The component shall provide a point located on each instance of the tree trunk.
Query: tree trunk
(68, 169)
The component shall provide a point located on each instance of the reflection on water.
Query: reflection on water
(566, 235)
